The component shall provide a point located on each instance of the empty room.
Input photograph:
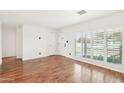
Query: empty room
(61, 46)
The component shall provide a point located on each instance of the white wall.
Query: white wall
(0, 44)
(32, 45)
(51, 42)
(68, 33)
(8, 40)
(23, 41)
(19, 42)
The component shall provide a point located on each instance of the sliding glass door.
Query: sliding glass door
(102, 45)
(78, 46)
(84, 44)
(98, 46)
(88, 45)
(114, 47)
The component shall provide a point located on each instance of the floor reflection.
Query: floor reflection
(77, 72)
(111, 79)
(86, 74)
(56, 69)
(97, 76)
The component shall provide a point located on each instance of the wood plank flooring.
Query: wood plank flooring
(55, 69)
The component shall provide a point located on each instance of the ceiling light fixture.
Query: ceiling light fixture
(81, 12)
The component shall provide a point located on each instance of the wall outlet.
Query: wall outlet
(67, 41)
(39, 53)
(39, 37)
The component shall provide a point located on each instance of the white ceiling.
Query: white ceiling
(50, 18)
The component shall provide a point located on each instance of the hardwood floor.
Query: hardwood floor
(55, 69)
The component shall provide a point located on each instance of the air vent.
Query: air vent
(81, 12)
